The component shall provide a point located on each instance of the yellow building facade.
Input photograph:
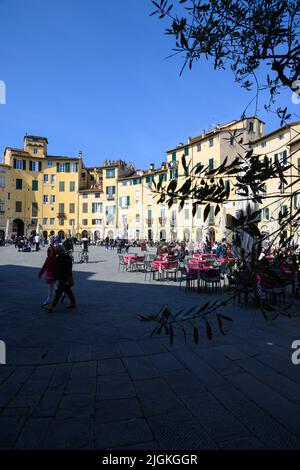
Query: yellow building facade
(59, 194)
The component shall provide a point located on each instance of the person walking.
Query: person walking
(49, 267)
(63, 274)
(37, 240)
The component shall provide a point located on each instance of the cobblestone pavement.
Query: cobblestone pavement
(91, 378)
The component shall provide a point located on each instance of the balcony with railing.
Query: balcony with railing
(61, 215)
(110, 197)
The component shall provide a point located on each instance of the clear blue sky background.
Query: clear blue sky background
(92, 75)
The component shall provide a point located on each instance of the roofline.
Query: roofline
(35, 137)
(275, 131)
(222, 128)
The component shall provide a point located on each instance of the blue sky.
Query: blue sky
(92, 75)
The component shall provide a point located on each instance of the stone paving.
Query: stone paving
(92, 378)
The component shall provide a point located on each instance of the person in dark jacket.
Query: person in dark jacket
(63, 274)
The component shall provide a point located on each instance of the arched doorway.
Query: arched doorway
(18, 227)
(2, 234)
(150, 236)
(162, 235)
(137, 234)
(186, 235)
(97, 235)
(110, 234)
(85, 234)
(199, 235)
(45, 235)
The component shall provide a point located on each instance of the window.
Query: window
(137, 218)
(85, 196)
(61, 186)
(45, 221)
(19, 183)
(45, 199)
(198, 213)
(211, 142)
(211, 163)
(296, 201)
(53, 178)
(46, 178)
(72, 222)
(281, 157)
(198, 147)
(97, 195)
(281, 136)
(61, 208)
(124, 183)
(72, 208)
(136, 181)
(163, 177)
(61, 222)
(149, 199)
(284, 210)
(35, 185)
(251, 126)
(35, 166)
(60, 167)
(2, 181)
(110, 191)
(2, 204)
(34, 209)
(173, 174)
(124, 201)
(186, 151)
(232, 141)
(52, 221)
(35, 151)
(84, 207)
(73, 167)
(97, 222)
(266, 213)
(110, 173)
(34, 222)
(72, 186)
(137, 194)
(174, 157)
(84, 221)
(263, 144)
(52, 199)
(149, 179)
(49, 162)
(18, 206)
(97, 207)
(186, 214)
(19, 164)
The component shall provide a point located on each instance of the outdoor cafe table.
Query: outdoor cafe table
(130, 258)
(159, 264)
(226, 260)
(196, 262)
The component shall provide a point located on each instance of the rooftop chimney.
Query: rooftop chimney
(151, 167)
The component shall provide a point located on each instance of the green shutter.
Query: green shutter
(40, 166)
(128, 201)
(267, 213)
(24, 164)
(186, 151)
(30, 165)
(211, 163)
